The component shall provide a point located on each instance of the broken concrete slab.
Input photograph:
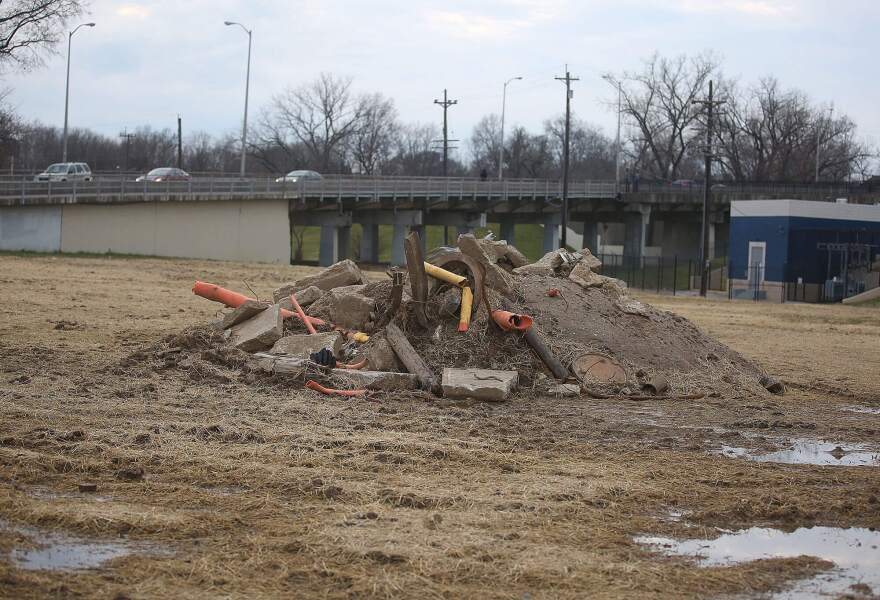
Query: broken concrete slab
(302, 345)
(304, 297)
(482, 384)
(351, 309)
(495, 277)
(376, 380)
(506, 255)
(380, 356)
(589, 259)
(371, 380)
(558, 261)
(247, 310)
(345, 272)
(584, 276)
(259, 332)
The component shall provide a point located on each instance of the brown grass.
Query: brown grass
(261, 489)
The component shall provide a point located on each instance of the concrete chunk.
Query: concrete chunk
(496, 277)
(304, 297)
(583, 276)
(505, 254)
(302, 345)
(380, 356)
(482, 384)
(376, 380)
(259, 332)
(244, 312)
(589, 259)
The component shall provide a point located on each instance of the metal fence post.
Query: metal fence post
(674, 273)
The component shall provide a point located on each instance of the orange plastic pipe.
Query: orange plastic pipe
(314, 385)
(302, 315)
(234, 299)
(354, 366)
(509, 321)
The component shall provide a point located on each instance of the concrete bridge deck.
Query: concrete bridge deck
(336, 203)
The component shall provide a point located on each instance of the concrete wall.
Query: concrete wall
(250, 230)
(35, 228)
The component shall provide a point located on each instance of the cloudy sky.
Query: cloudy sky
(145, 61)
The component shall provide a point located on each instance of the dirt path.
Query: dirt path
(224, 489)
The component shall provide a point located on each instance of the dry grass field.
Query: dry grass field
(221, 486)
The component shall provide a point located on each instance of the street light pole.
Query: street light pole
(67, 90)
(617, 84)
(247, 85)
(501, 144)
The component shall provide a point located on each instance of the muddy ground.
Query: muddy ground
(238, 490)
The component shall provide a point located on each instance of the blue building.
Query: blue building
(803, 250)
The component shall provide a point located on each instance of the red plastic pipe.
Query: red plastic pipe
(314, 385)
(302, 315)
(234, 299)
(509, 321)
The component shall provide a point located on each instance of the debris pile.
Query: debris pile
(477, 321)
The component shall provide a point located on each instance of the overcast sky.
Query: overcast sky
(145, 62)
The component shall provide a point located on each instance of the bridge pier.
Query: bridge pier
(335, 240)
(636, 224)
(591, 236)
(370, 243)
(507, 230)
(551, 231)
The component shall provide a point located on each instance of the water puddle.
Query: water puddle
(854, 551)
(870, 410)
(810, 452)
(63, 552)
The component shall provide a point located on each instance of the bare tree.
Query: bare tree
(529, 156)
(373, 140)
(659, 101)
(30, 29)
(321, 115)
(767, 133)
(591, 152)
(415, 152)
(484, 144)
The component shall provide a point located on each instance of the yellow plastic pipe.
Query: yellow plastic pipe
(467, 303)
(444, 275)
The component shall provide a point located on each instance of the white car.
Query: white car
(66, 172)
(300, 175)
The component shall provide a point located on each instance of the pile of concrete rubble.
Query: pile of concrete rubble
(478, 321)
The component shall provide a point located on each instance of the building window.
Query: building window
(757, 261)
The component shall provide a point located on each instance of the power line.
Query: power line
(446, 103)
(568, 94)
(127, 136)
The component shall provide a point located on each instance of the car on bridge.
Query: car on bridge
(165, 174)
(65, 172)
(300, 175)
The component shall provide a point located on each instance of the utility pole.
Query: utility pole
(568, 94)
(819, 129)
(446, 103)
(127, 137)
(179, 143)
(709, 105)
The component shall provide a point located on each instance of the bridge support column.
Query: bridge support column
(507, 230)
(328, 251)
(335, 234)
(591, 236)
(636, 232)
(370, 243)
(551, 232)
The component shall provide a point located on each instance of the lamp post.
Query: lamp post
(67, 90)
(501, 144)
(616, 84)
(247, 83)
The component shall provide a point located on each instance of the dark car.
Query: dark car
(165, 174)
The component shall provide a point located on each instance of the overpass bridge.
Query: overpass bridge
(334, 204)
